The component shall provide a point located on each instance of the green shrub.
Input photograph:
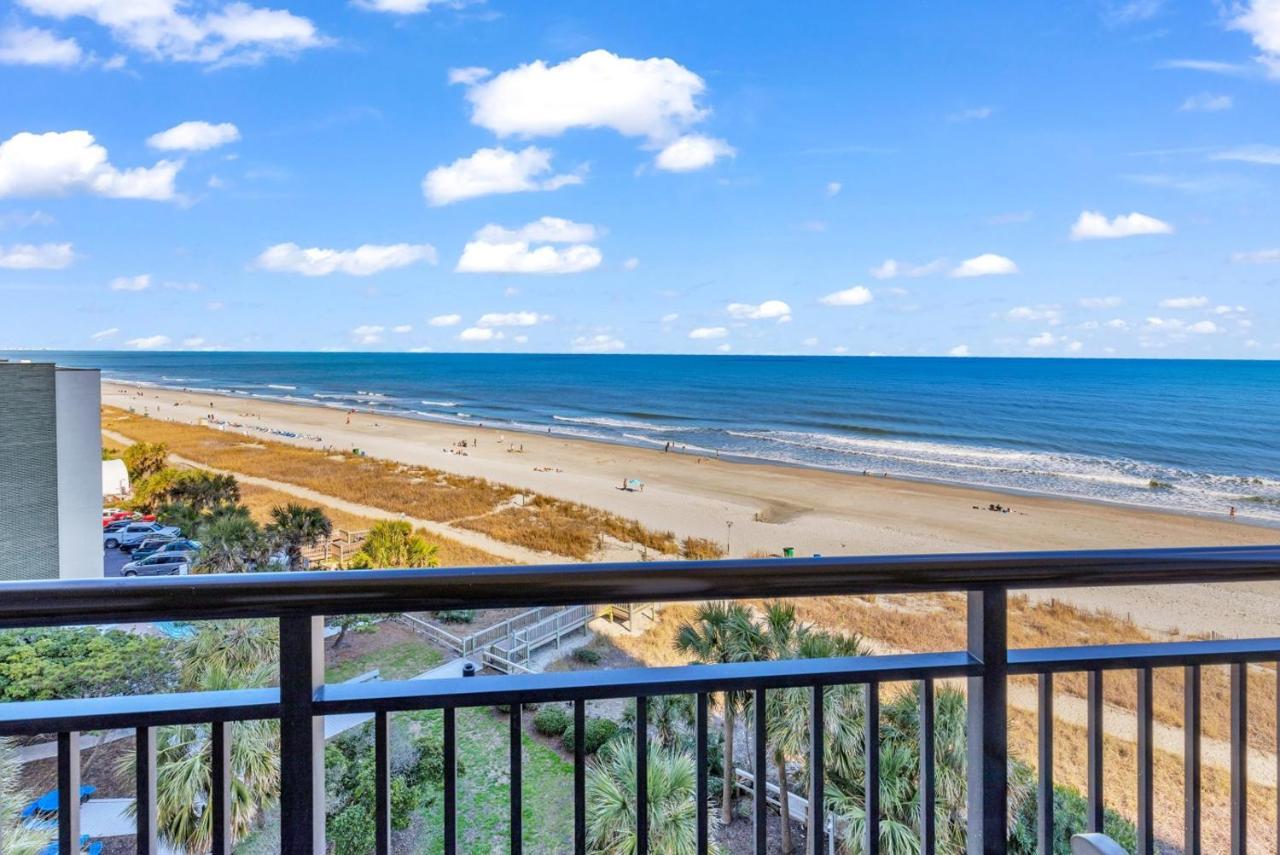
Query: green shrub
(456, 615)
(505, 709)
(551, 721)
(587, 655)
(599, 731)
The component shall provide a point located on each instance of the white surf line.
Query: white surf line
(476, 539)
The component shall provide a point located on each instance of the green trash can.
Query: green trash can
(788, 552)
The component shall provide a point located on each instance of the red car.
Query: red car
(110, 515)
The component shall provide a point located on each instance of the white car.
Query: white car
(159, 564)
(134, 533)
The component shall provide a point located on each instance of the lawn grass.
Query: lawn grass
(398, 661)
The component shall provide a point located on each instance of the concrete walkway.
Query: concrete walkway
(49, 750)
(336, 724)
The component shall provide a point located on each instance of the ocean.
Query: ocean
(1186, 435)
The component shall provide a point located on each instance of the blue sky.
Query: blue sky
(1087, 179)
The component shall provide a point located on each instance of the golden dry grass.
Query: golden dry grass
(700, 549)
(566, 528)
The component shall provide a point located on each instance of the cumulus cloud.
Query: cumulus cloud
(600, 343)
(34, 46)
(494, 170)
(29, 256)
(891, 268)
(404, 7)
(1034, 313)
(224, 33)
(445, 320)
(468, 76)
(368, 334)
(858, 295)
(140, 282)
(987, 264)
(1045, 339)
(1109, 302)
(703, 333)
(959, 350)
(1179, 327)
(500, 250)
(149, 342)
(479, 334)
(1260, 256)
(511, 319)
(364, 260)
(1094, 225)
(692, 152)
(1206, 102)
(1261, 20)
(768, 310)
(58, 163)
(1263, 155)
(194, 136)
(1184, 302)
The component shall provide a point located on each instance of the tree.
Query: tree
(234, 647)
(393, 543)
(611, 800)
(231, 543)
(723, 632)
(17, 837)
(295, 527)
(82, 662)
(145, 458)
(204, 492)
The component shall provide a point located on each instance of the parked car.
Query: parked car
(114, 515)
(159, 564)
(163, 545)
(150, 544)
(115, 525)
(134, 533)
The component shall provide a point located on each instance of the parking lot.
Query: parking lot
(112, 561)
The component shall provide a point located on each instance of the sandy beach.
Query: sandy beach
(762, 508)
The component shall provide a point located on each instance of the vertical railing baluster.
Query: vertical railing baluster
(988, 741)
(1095, 737)
(580, 777)
(928, 789)
(703, 841)
(871, 777)
(220, 785)
(517, 779)
(145, 790)
(642, 776)
(302, 809)
(1146, 763)
(1044, 751)
(1191, 760)
(817, 818)
(382, 782)
(760, 815)
(450, 781)
(1239, 757)
(69, 791)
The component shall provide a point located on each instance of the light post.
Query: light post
(728, 535)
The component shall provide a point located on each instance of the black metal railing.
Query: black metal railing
(299, 600)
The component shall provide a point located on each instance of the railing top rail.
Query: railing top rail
(54, 603)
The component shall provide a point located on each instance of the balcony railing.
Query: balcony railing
(299, 600)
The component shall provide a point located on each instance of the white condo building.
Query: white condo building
(50, 472)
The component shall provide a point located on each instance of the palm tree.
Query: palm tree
(611, 800)
(16, 836)
(296, 527)
(392, 543)
(234, 647)
(722, 632)
(232, 543)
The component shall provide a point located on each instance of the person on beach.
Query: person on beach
(1232, 511)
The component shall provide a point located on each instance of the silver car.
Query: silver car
(159, 564)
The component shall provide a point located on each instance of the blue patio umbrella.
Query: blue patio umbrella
(48, 803)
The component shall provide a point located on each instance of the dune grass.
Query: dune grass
(567, 528)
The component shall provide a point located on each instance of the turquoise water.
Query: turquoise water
(1204, 431)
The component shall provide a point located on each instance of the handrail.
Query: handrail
(58, 603)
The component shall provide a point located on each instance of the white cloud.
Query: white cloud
(494, 170)
(670, 317)
(194, 136)
(404, 7)
(1109, 302)
(692, 152)
(101, 334)
(194, 341)
(834, 188)
(24, 219)
(858, 295)
(1261, 20)
(231, 33)
(1034, 313)
(28, 256)
(1075, 346)
(445, 320)
(364, 260)
(631, 263)
(768, 310)
(149, 342)
(34, 46)
(1118, 324)
(600, 343)
(57, 163)
(1206, 102)
(1177, 327)
(651, 98)
(1261, 256)
(479, 334)
(1264, 155)
(511, 319)
(987, 264)
(724, 348)
(1184, 302)
(971, 115)
(368, 333)
(468, 76)
(702, 333)
(1045, 339)
(131, 283)
(959, 350)
(402, 328)
(1203, 327)
(499, 250)
(1093, 225)
(1210, 66)
(891, 268)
